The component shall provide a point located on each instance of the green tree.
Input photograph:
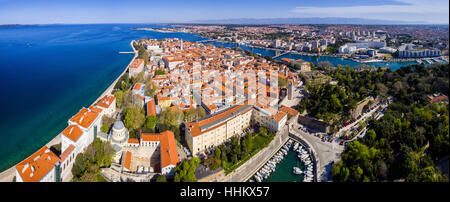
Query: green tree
(150, 123)
(161, 178)
(282, 83)
(107, 122)
(150, 88)
(185, 171)
(193, 114)
(171, 119)
(79, 166)
(160, 72)
(119, 98)
(134, 117)
(140, 77)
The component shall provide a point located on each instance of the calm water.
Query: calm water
(47, 73)
(283, 172)
(315, 59)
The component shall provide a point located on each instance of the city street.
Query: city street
(297, 96)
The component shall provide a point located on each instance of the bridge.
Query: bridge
(277, 54)
(205, 41)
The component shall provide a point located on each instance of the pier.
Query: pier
(126, 52)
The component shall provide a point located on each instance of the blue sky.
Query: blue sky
(149, 11)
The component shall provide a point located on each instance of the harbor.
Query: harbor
(292, 163)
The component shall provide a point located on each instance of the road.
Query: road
(296, 95)
(363, 117)
(326, 152)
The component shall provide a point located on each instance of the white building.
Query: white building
(42, 166)
(136, 66)
(273, 120)
(215, 129)
(81, 132)
(154, 48)
(108, 105)
(352, 47)
(170, 62)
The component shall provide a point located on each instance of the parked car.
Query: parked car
(341, 143)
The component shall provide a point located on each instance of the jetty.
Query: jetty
(124, 52)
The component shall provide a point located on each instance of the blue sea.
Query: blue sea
(49, 72)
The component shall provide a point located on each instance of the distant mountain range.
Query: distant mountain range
(314, 20)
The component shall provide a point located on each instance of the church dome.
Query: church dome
(118, 125)
(119, 133)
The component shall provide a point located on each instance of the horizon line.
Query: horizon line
(156, 23)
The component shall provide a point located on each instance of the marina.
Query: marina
(292, 163)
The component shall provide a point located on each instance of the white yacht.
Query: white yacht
(297, 171)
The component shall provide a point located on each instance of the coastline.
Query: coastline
(336, 55)
(8, 174)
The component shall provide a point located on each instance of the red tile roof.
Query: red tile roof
(169, 153)
(38, 165)
(84, 118)
(137, 86)
(106, 101)
(151, 111)
(96, 109)
(194, 127)
(133, 141)
(127, 161)
(136, 63)
(66, 153)
(291, 112)
(279, 115)
(73, 132)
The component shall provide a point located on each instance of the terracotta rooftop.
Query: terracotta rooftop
(106, 101)
(66, 153)
(84, 118)
(38, 165)
(166, 139)
(151, 111)
(127, 161)
(136, 63)
(96, 109)
(279, 115)
(288, 110)
(73, 132)
(133, 140)
(212, 121)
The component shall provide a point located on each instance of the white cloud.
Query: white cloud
(435, 11)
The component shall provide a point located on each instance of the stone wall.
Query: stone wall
(314, 124)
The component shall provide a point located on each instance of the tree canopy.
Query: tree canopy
(408, 140)
(185, 171)
(87, 166)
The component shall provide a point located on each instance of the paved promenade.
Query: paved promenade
(326, 152)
